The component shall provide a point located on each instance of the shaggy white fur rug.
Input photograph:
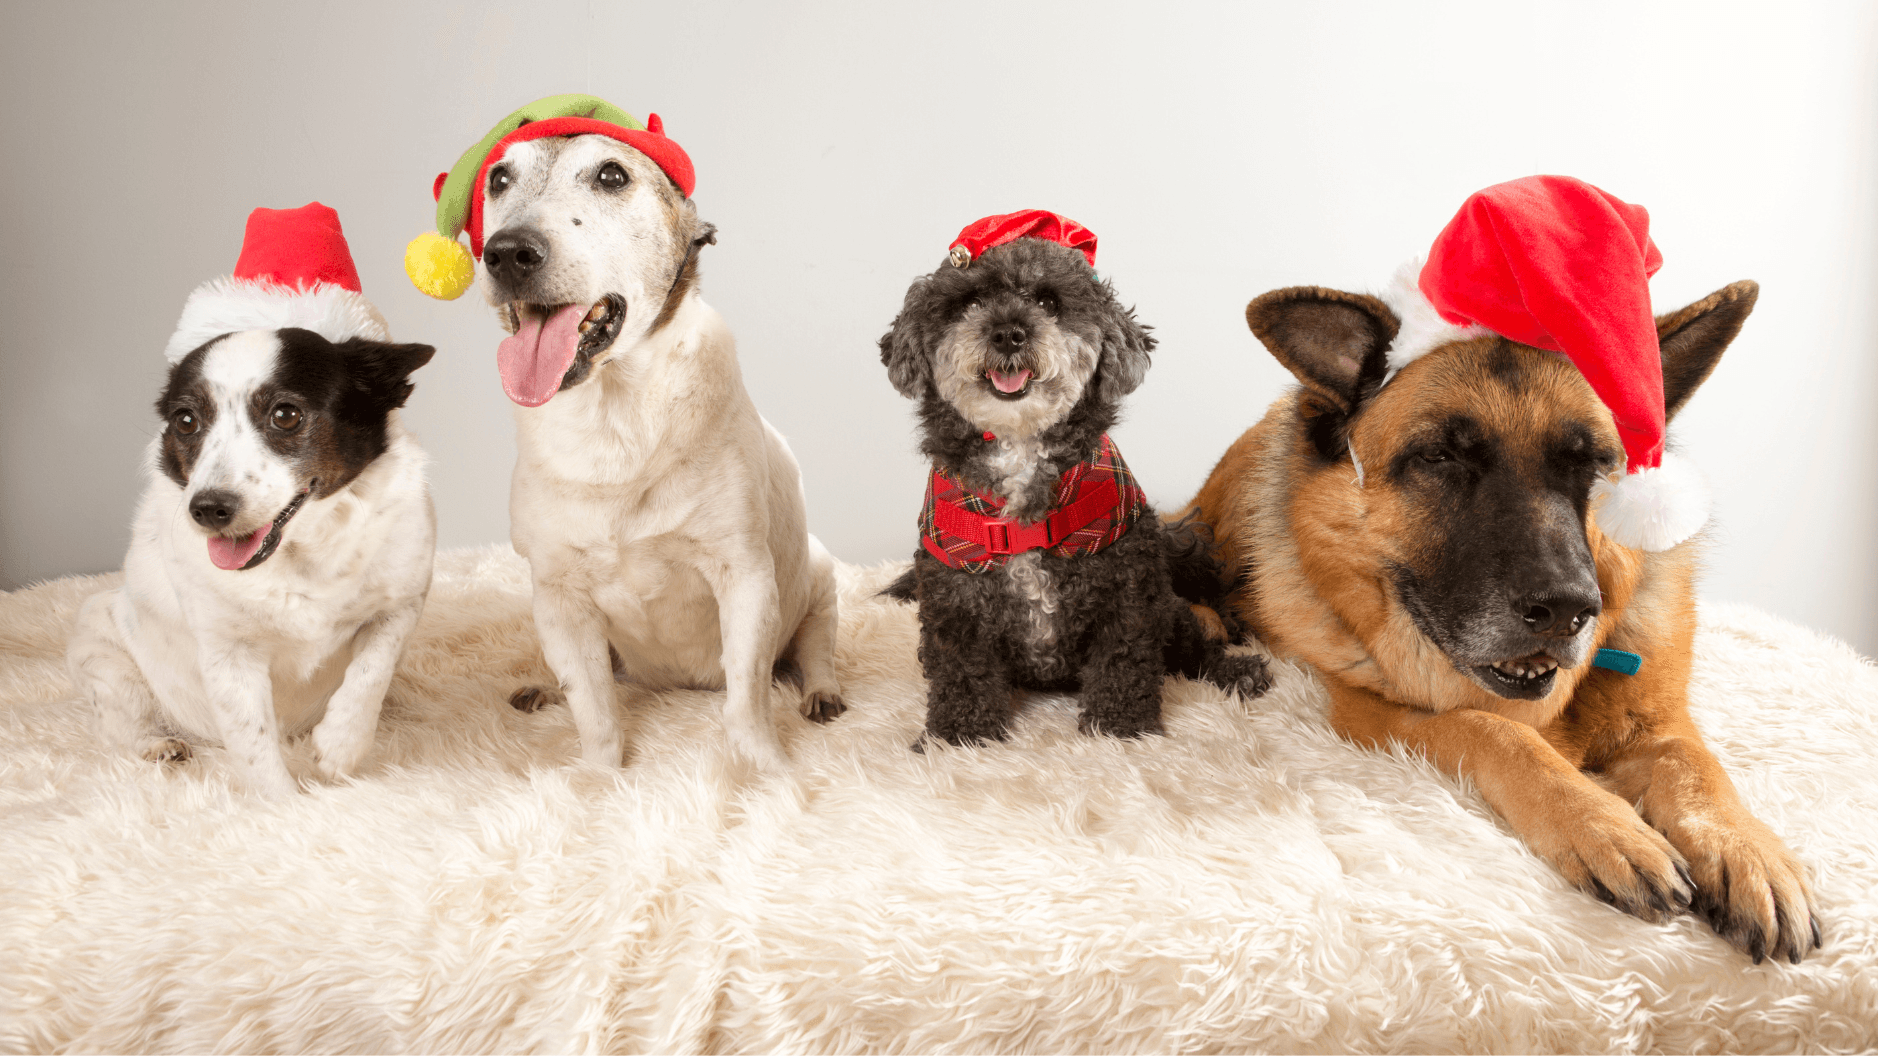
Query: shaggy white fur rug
(1247, 883)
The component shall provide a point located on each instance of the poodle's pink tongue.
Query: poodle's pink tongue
(231, 554)
(1008, 382)
(534, 360)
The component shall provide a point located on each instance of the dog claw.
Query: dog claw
(823, 708)
(1248, 676)
(1685, 895)
(533, 698)
(1603, 893)
(168, 750)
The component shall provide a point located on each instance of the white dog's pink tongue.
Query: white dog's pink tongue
(534, 360)
(231, 554)
(1009, 382)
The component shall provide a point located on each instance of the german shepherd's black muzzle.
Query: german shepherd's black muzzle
(1504, 582)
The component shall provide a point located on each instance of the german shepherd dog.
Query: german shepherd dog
(1453, 599)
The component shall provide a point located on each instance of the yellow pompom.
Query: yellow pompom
(439, 266)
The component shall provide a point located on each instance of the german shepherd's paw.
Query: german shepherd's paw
(1600, 844)
(534, 698)
(1247, 674)
(1751, 890)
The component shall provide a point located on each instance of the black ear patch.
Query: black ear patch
(380, 370)
(350, 388)
(1335, 343)
(1693, 339)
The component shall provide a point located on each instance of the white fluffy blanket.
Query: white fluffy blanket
(1246, 883)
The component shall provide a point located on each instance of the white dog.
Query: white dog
(282, 550)
(660, 514)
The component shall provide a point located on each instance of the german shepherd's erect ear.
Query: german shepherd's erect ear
(1336, 343)
(1694, 337)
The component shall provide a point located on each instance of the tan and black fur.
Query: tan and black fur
(1472, 547)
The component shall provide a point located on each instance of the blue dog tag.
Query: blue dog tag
(1619, 661)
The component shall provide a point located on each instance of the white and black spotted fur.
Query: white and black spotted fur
(1029, 345)
(279, 558)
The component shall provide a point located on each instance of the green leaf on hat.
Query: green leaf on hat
(453, 201)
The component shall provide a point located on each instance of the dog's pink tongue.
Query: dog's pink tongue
(534, 360)
(231, 554)
(1009, 382)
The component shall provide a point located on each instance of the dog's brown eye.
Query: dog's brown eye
(185, 422)
(1047, 302)
(1434, 457)
(499, 181)
(611, 176)
(286, 417)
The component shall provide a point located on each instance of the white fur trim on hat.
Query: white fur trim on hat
(225, 305)
(1423, 329)
(1653, 509)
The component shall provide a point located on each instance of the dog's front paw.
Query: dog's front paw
(1246, 674)
(167, 750)
(1750, 889)
(962, 735)
(609, 752)
(822, 706)
(339, 752)
(534, 698)
(1124, 725)
(1600, 844)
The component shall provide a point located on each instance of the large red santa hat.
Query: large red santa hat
(1555, 263)
(294, 270)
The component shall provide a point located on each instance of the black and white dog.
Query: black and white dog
(280, 555)
(1042, 566)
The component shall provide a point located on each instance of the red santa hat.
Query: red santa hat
(1555, 263)
(981, 235)
(294, 270)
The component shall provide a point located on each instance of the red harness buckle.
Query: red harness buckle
(997, 536)
(1004, 536)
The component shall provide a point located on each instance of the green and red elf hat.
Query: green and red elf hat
(1555, 263)
(436, 261)
(981, 235)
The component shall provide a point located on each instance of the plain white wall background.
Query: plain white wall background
(1217, 150)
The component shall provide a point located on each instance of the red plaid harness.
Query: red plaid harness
(1097, 501)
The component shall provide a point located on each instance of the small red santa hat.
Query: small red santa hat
(981, 235)
(1555, 263)
(294, 270)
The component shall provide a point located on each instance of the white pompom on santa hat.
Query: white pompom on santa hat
(294, 270)
(1555, 263)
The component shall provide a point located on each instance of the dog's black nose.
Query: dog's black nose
(1008, 338)
(1557, 614)
(515, 254)
(213, 509)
